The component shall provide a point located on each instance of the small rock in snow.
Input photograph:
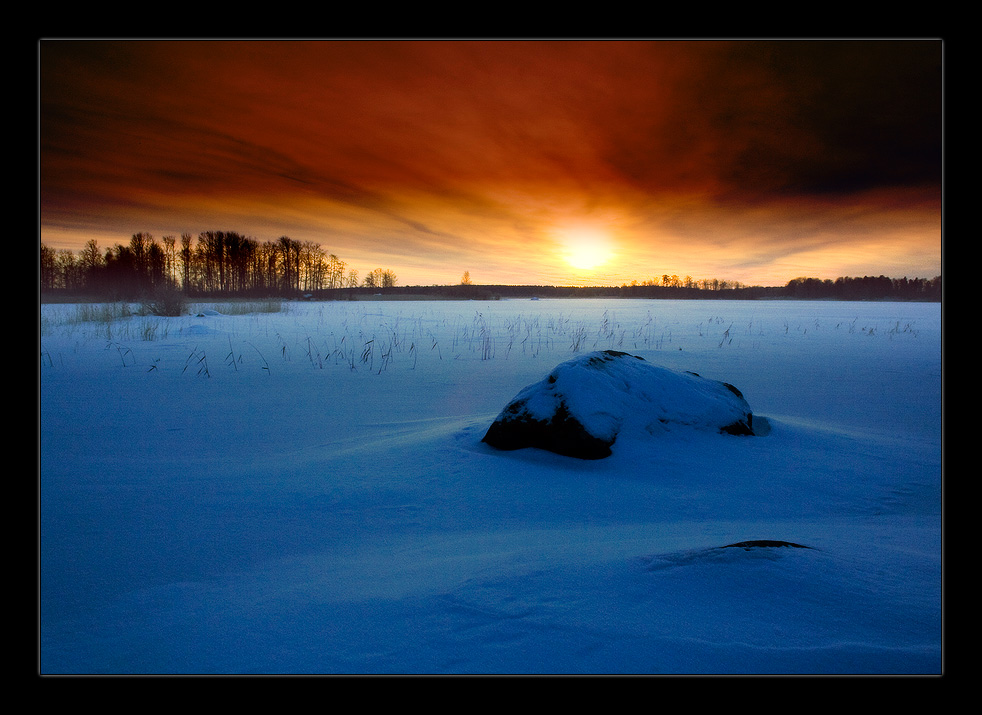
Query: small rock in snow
(765, 544)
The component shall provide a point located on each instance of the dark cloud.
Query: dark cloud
(802, 116)
(797, 117)
(837, 117)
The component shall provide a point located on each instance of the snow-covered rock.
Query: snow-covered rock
(584, 404)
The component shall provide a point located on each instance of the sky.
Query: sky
(534, 162)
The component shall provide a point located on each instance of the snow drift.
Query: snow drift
(584, 404)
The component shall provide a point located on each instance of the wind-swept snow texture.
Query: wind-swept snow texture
(583, 405)
(307, 492)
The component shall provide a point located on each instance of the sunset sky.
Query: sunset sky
(523, 162)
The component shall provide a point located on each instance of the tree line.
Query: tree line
(218, 262)
(843, 288)
(227, 263)
(865, 288)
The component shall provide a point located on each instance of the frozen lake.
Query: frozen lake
(306, 491)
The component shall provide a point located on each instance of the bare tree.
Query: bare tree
(380, 278)
(373, 279)
(187, 260)
(67, 269)
(170, 257)
(335, 272)
(47, 266)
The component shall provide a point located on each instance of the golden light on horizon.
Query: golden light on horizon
(584, 247)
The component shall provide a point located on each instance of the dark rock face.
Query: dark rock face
(561, 433)
(582, 406)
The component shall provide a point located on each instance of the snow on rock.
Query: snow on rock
(584, 404)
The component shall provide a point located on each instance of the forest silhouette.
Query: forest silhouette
(228, 264)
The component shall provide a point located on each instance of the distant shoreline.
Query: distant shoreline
(497, 292)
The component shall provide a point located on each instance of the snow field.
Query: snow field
(306, 492)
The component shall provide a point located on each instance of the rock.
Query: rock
(582, 406)
(765, 544)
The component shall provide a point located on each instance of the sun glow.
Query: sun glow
(585, 248)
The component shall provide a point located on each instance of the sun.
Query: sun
(585, 249)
